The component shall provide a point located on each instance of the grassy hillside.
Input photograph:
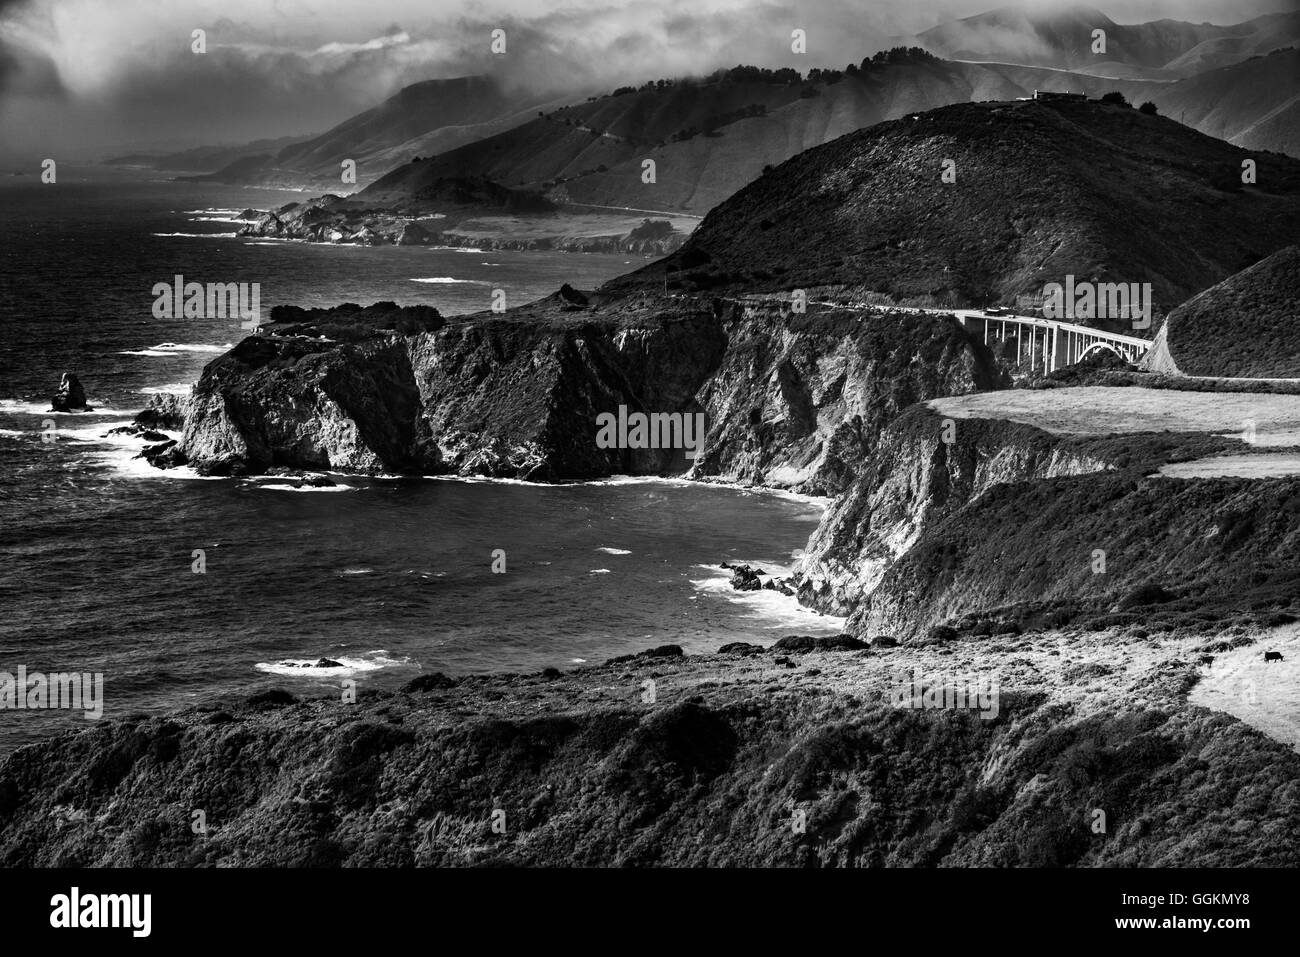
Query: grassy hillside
(577, 770)
(424, 117)
(1248, 325)
(1043, 190)
(710, 137)
(1254, 104)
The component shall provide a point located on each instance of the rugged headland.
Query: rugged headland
(407, 208)
(1113, 550)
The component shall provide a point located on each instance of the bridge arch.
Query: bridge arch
(1102, 347)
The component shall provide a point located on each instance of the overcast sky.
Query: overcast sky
(89, 77)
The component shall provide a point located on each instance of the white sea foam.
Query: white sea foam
(278, 487)
(23, 407)
(164, 349)
(450, 280)
(599, 571)
(198, 235)
(175, 388)
(614, 551)
(776, 611)
(302, 667)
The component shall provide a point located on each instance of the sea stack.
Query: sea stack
(71, 396)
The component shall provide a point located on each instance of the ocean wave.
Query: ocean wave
(599, 571)
(173, 348)
(24, 407)
(776, 611)
(450, 280)
(303, 667)
(197, 235)
(813, 501)
(613, 551)
(175, 388)
(210, 211)
(277, 487)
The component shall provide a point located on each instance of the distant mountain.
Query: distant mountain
(1043, 190)
(1255, 104)
(1063, 38)
(709, 138)
(431, 116)
(205, 159)
(1246, 326)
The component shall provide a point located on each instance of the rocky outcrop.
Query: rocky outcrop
(71, 396)
(788, 401)
(922, 469)
(1106, 549)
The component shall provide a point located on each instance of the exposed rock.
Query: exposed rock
(519, 396)
(71, 396)
(746, 578)
(435, 681)
(806, 643)
(740, 648)
(327, 663)
(163, 411)
(662, 651)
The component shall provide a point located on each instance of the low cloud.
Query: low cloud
(92, 77)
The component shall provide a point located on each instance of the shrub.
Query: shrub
(1115, 97)
(1148, 108)
(941, 633)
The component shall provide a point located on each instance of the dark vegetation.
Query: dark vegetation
(868, 212)
(350, 322)
(1186, 555)
(702, 777)
(1245, 326)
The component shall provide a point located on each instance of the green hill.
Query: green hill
(1247, 326)
(1043, 190)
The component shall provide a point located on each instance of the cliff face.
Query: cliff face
(789, 401)
(1111, 548)
(923, 468)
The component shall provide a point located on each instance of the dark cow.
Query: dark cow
(1207, 659)
(1273, 656)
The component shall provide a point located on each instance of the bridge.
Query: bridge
(1048, 344)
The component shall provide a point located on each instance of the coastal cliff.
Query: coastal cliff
(922, 469)
(790, 401)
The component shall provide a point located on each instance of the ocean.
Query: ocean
(388, 577)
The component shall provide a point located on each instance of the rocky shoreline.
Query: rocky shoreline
(335, 220)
